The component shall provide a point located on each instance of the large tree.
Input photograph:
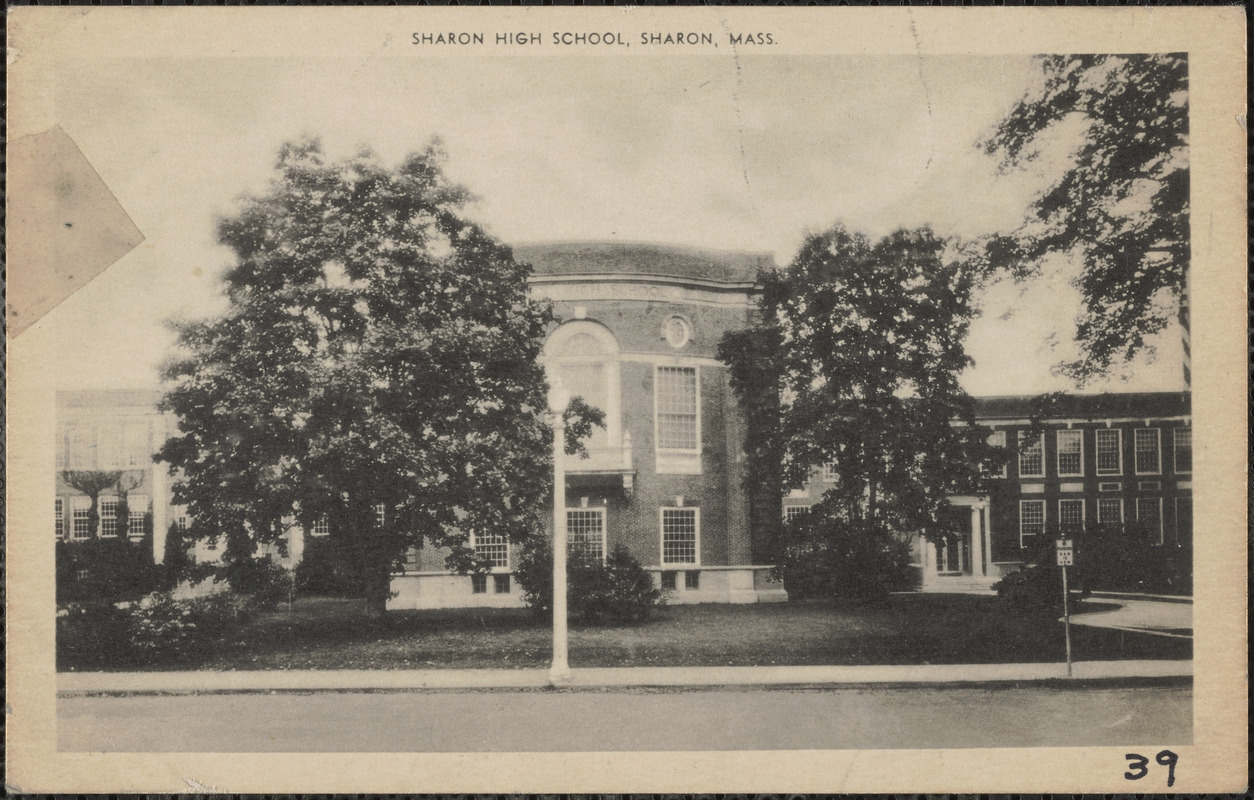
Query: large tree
(854, 364)
(1118, 201)
(376, 370)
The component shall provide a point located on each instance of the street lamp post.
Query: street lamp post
(559, 672)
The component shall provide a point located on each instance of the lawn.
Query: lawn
(328, 633)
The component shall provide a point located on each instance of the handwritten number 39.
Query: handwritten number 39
(1138, 766)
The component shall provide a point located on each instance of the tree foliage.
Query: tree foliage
(854, 364)
(379, 353)
(1120, 206)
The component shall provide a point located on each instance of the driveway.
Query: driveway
(1158, 617)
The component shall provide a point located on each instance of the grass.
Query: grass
(328, 633)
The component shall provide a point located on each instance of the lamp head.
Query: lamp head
(559, 397)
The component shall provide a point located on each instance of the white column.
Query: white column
(559, 672)
(977, 542)
(929, 561)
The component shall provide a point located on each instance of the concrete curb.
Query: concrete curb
(75, 683)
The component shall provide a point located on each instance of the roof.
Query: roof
(1134, 405)
(642, 258)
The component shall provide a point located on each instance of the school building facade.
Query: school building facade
(638, 332)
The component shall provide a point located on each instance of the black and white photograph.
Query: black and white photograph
(685, 389)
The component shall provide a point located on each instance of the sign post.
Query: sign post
(1066, 557)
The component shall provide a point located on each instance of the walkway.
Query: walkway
(1140, 614)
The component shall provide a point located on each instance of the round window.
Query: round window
(677, 332)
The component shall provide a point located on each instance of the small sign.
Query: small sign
(1066, 553)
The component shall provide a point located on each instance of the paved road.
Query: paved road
(617, 720)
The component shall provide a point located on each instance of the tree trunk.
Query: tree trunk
(376, 577)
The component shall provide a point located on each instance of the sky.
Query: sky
(750, 153)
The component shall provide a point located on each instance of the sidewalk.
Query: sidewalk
(1171, 617)
(77, 683)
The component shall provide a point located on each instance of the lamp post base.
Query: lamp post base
(559, 675)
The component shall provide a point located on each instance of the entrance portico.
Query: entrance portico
(959, 562)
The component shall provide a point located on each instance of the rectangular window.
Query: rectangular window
(1071, 516)
(137, 507)
(1147, 451)
(1031, 519)
(136, 452)
(692, 579)
(500, 584)
(321, 528)
(1071, 452)
(1110, 510)
(80, 507)
(829, 473)
(107, 507)
(998, 439)
(380, 515)
(793, 512)
(1149, 512)
(1109, 451)
(479, 584)
(585, 530)
(109, 447)
(1183, 445)
(1031, 455)
(676, 406)
(679, 536)
(82, 449)
(494, 548)
(60, 518)
(668, 580)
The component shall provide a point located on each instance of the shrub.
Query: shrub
(105, 570)
(1120, 558)
(616, 591)
(91, 633)
(834, 558)
(1033, 589)
(267, 582)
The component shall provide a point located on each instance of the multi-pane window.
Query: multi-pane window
(585, 530)
(493, 547)
(60, 523)
(676, 401)
(1109, 451)
(793, 512)
(479, 584)
(1149, 512)
(1110, 510)
(1031, 519)
(322, 527)
(1070, 515)
(1183, 446)
(380, 515)
(1031, 455)
(830, 475)
(135, 446)
(679, 536)
(668, 580)
(998, 439)
(138, 510)
(108, 510)
(500, 584)
(109, 447)
(1071, 452)
(692, 579)
(80, 509)
(1147, 455)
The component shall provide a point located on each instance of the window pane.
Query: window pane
(1147, 450)
(585, 530)
(1109, 455)
(1071, 515)
(60, 517)
(792, 512)
(1110, 510)
(1031, 518)
(1184, 449)
(679, 536)
(1149, 514)
(138, 508)
(1031, 456)
(1070, 452)
(108, 508)
(494, 547)
(78, 520)
(677, 408)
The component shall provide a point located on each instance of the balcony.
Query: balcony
(606, 468)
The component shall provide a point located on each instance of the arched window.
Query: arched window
(584, 354)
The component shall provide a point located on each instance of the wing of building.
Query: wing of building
(640, 324)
